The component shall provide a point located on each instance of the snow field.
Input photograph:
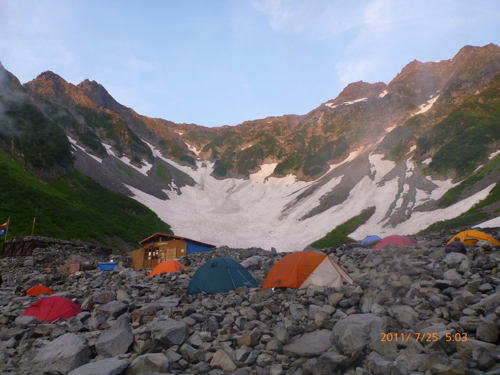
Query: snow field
(262, 211)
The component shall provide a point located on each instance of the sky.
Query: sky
(223, 62)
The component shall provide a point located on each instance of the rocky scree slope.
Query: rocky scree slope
(135, 325)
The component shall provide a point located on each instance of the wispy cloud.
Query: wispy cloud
(321, 18)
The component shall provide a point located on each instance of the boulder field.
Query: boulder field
(411, 310)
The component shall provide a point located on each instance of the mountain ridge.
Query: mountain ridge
(398, 147)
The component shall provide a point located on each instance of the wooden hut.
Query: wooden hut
(160, 247)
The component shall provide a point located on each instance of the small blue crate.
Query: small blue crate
(107, 266)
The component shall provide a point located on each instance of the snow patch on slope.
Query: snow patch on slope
(192, 148)
(384, 93)
(493, 154)
(421, 220)
(493, 223)
(144, 170)
(348, 103)
(355, 101)
(426, 106)
(75, 144)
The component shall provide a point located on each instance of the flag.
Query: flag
(4, 225)
(3, 231)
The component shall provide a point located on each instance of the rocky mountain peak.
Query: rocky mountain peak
(358, 90)
(50, 85)
(98, 94)
(8, 83)
(419, 80)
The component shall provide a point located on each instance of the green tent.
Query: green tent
(220, 275)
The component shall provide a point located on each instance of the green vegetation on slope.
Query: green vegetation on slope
(452, 195)
(338, 236)
(43, 144)
(248, 159)
(72, 207)
(315, 162)
(463, 137)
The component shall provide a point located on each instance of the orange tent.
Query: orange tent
(303, 268)
(39, 289)
(167, 267)
(470, 237)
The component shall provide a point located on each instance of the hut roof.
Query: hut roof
(146, 240)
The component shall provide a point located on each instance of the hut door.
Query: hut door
(171, 252)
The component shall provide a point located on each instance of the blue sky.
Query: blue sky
(223, 62)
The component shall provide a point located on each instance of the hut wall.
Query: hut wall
(193, 247)
(171, 249)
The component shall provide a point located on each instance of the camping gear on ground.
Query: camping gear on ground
(370, 239)
(53, 308)
(303, 268)
(39, 289)
(74, 267)
(470, 237)
(167, 267)
(220, 275)
(107, 266)
(393, 240)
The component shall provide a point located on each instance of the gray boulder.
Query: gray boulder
(327, 363)
(116, 340)
(356, 331)
(104, 297)
(405, 315)
(111, 366)
(223, 361)
(155, 362)
(167, 333)
(114, 308)
(454, 258)
(24, 321)
(64, 354)
(309, 345)
(252, 263)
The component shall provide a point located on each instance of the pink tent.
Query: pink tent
(393, 240)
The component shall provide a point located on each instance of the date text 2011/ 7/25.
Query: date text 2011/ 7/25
(422, 337)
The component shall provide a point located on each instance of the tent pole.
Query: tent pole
(231, 276)
(248, 282)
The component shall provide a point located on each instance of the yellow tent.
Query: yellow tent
(470, 237)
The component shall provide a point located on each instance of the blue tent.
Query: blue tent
(370, 239)
(220, 275)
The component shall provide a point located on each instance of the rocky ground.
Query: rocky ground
(444, 308)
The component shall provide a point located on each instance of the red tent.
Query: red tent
(39, 289)
(393, 240)
(53, 308)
